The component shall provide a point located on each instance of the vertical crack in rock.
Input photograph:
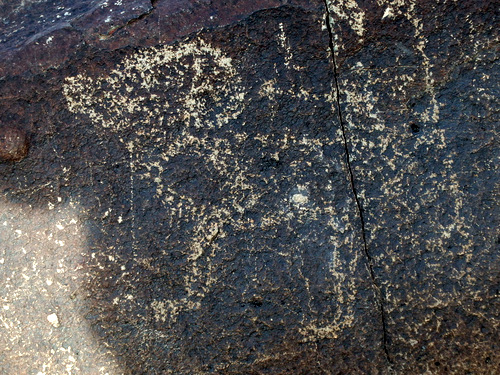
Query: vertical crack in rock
(368, 257)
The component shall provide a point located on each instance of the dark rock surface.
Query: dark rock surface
(14, 144)
(239, 200)
(420, 101)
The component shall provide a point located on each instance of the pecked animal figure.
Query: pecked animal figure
(223, 230)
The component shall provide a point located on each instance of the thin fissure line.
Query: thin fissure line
(369, 258)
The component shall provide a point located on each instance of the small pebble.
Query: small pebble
(53, 319)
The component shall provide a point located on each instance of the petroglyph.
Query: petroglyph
(182, 103)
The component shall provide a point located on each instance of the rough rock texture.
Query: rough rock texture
(14, 143)
(210, 190)
(419, 97)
